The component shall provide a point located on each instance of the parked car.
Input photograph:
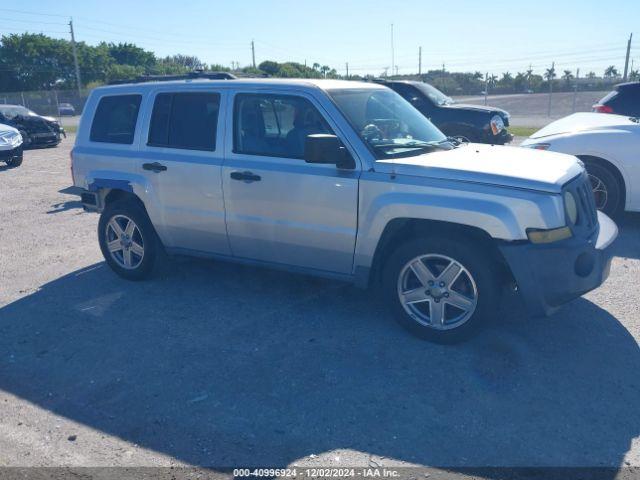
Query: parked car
(66, 109)
(624, 100)
(608, 145)
(10, 146)
(476, 123)
(36, 130)
(339, 179)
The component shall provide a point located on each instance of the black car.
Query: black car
(36, 130)
(476, 123)
(624, 100)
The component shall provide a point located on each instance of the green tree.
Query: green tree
(269, 67)
(611, 72)
(34, 61)
(129, 54)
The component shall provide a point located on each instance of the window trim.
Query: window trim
(135, 126)
(173, 93)
(237, 96)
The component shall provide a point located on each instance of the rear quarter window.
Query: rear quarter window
(115, 119)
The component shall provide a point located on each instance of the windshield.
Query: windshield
(435, 95)
(387, 123)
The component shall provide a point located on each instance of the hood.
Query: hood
(496, 165)
(7, 128)
(579, 122)
(49, 119)
(476, 108)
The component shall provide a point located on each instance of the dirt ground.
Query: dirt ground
(220, 365)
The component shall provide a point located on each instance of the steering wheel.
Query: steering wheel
(372, 132)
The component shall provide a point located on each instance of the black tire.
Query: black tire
(150, 241)
(477, 263)
(614, 203)
(15, 161)
(26, 139)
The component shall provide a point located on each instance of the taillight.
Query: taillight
(602, 108)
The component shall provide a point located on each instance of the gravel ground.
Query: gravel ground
(221, 365)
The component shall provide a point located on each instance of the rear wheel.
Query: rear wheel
(128, 241)
(441, 289)
(607, 191)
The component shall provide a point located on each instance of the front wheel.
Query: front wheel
(15, 161)
(128, 241)
(607, 192)
(441, 289)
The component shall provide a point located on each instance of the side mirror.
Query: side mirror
(327, 149)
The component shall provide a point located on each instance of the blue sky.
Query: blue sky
(467, 35)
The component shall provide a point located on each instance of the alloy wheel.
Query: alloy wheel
(600, 192)
(124, 242)
(437, 291)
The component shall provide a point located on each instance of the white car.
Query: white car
(10, 146)
(609, 146)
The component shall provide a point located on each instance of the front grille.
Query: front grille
(587, 213)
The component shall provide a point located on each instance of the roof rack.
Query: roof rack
(183, 76)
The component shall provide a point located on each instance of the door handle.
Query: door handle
(154, 167)
(247, 177)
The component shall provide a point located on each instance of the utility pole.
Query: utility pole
(529, 77)
(486, 87)
(551, 75)
(75, 58)
(575, 89)
(419, 60)
(253, 53)
(393, 53)
(347, 65)
(626, 62)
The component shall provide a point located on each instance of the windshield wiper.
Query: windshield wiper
(412, 145)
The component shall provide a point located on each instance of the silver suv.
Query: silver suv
(339, 179)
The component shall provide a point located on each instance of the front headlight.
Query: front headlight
(548, 236)
(497, 125)
(538, 146)
(11, 138)
(571, 207)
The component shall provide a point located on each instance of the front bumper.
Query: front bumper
(44, 139)
(550, 275)
(10, 154)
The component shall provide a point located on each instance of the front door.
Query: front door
(278, 208)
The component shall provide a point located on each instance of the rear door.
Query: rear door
(181, 157)
(279, 208)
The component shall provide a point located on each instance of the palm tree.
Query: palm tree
(591, 75)
(550, 74)
(634, 75)
(567, 75)
(316, 66)
(324, 69)
(611, 72)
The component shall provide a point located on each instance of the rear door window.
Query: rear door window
(187, 120)
(115, 119)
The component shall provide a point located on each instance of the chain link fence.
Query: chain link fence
(48, 102)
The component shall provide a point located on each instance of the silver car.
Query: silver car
(339, 179)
